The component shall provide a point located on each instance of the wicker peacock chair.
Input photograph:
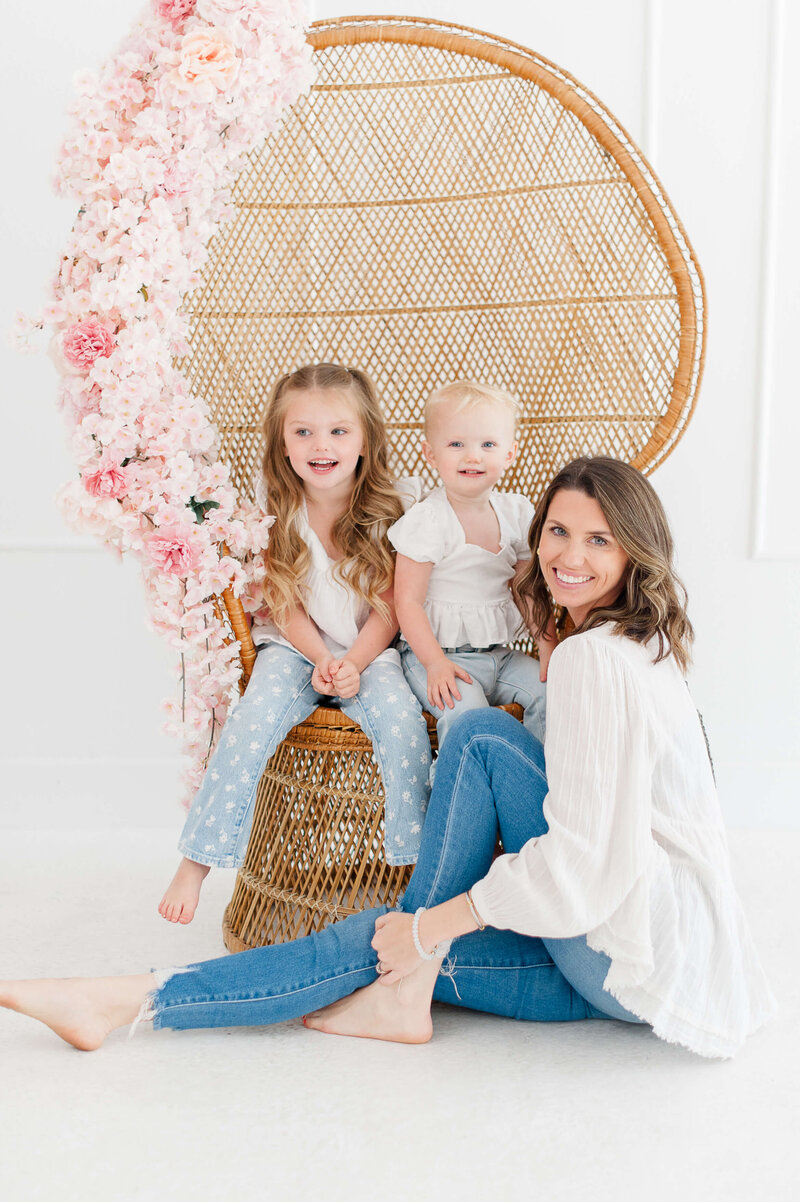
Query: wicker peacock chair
(443, 204)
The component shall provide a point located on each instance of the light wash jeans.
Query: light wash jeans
(499, 674)
(278, 696)
(491, 775)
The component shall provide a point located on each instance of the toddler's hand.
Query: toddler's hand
(322, 676)
(442, 687)
(346, 678)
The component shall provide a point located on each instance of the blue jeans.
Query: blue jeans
(500, 676)
(491, 775)
(279, 695)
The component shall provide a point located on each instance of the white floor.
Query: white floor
(491, 1109)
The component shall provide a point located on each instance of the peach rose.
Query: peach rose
(207, 57)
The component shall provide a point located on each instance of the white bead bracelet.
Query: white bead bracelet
(440, 949)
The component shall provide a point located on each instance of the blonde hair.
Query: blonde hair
(468, 394)
(367, 563)
(652, 599)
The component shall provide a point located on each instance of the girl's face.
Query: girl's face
(471, 448)
(323, 439)
(583, 565)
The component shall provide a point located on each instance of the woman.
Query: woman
(614, 898)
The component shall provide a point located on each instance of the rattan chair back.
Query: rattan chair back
(448, 204)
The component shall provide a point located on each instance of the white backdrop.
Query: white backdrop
(704, 89)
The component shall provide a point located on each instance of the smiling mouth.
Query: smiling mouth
(470, 471)
(565, 578)
(322, 465)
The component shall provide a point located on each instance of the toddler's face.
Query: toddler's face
(323, 438)
(471, 448)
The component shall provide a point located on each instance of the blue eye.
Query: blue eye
(599, 541)
(301, 431)
(488, 443)
(559, 531)
(455, 443)
(338, 430)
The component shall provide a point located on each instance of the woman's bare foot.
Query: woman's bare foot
(180, 901)
(82, 1010)
(399, 1013)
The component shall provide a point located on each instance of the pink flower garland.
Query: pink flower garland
(158, 138)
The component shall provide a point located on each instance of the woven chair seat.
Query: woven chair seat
(442, 204)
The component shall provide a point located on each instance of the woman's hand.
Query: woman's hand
(394, 944)
(346, 678)
(321, 677)
(442, 687)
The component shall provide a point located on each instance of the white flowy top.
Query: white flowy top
(635, 855)
(337, 612)
(469, 601)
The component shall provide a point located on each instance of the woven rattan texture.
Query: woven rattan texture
(315, 852)
(424, 214)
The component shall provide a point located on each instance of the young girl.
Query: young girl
(329, 625)
(458, 551)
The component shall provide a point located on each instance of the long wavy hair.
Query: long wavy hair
(652, 599)
(367, 563)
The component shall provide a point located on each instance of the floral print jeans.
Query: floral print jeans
(279, 695)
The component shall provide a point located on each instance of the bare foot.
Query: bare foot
(180, 901)
(399, 1013)
(82, 1010)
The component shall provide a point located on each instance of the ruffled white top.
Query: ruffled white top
(337, 612)
(469, 601)
(635, 855)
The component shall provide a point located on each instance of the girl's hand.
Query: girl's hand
(395, 947)
(322, 677)
(442, 687)
(346, 678)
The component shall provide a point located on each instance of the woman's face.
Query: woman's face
(583, 565)
(323, 438)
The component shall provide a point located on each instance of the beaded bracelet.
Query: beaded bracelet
(438, 951)
(479, 923)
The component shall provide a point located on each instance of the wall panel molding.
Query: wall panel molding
(775, 531)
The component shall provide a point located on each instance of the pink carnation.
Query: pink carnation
(86, 341)
(173, 550)
(108, 481)
(175, 10)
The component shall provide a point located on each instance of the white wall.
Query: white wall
(701, 86)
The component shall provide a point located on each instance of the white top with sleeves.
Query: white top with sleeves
(334, 608)
(635, 855)
(469, 601)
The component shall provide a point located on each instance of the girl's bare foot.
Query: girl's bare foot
(400, 1013)
(82, 1010)
(180, 901)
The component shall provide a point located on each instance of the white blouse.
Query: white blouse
(468, 602)
(337, 612)
(635, 855)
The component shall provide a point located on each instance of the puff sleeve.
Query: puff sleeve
(520, 513)
(419, 535)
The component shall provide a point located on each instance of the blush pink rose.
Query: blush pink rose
(86, 341)
(175, 10)
(172, 550)
(207, 56)
(108, 481)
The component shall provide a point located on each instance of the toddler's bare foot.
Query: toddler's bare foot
(81, 1010)
(379, 1012)
(180, 901)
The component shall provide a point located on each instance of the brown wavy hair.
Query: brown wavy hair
(652, 599)
(367, 563)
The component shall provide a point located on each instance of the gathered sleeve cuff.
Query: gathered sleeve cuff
(596, 851)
